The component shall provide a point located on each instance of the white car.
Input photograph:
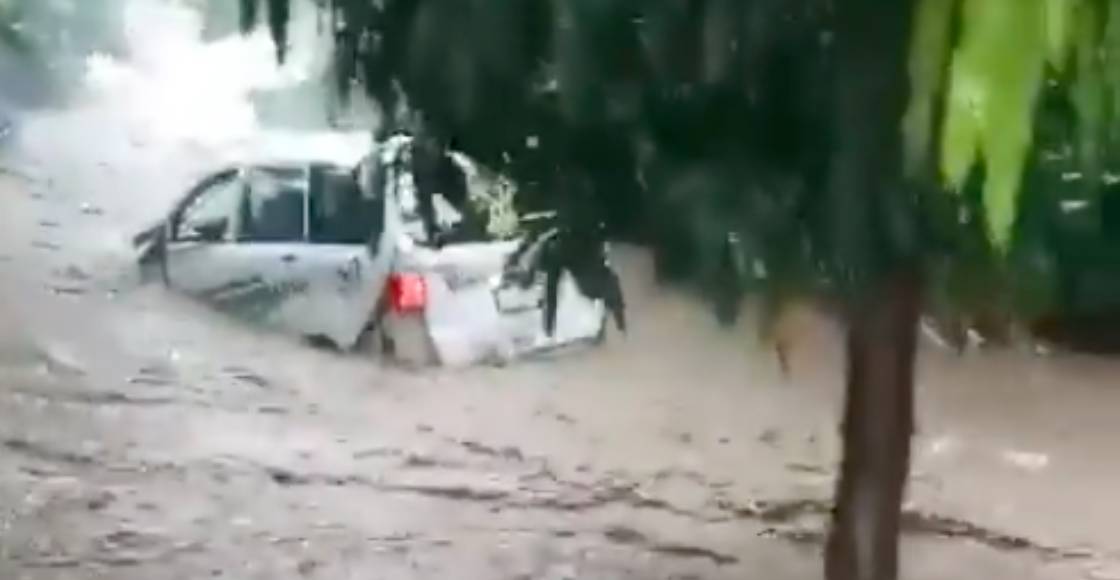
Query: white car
(335, 250)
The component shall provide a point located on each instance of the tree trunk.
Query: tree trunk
(878, 423)
(874, 223)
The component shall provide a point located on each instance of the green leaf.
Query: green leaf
(928, 54)
(250, 14)
(1088, 92)
(1110, 47)
(960, 139)
(279, 13)
(1061, 16)
(995, 81)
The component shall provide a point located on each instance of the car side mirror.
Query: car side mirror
(212, 231)
(151, 242)
(152, 247)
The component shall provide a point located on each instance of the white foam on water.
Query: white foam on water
(142, 129)
(177, 88)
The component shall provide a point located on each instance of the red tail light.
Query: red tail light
(408, 293)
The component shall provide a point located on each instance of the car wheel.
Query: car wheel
(321, 342)
(370, 342)
(404, 340)
(601, 338)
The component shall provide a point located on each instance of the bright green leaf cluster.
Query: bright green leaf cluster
(994, 82)
(989, 85)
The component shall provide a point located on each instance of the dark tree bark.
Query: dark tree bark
(878, 423)
(873, 216)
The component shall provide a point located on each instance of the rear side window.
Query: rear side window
(339, 213)
(274, 209)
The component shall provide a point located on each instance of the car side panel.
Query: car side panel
(475, 315)
(260, 283)
(344, 285)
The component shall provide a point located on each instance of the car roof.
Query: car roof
(299, 148)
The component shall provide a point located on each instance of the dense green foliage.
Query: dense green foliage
(991, 81)
(1028, 137)
(705, 129)
(673, 122)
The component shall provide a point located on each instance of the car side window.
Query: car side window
(274, 208)
(211, 215)
(339, 213)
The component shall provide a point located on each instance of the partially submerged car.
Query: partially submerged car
(339, 251)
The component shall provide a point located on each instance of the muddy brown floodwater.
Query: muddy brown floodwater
(143, 437)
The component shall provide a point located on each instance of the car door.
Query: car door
(200, 257)
(348, 261)
(237, 243)
(474, 310)
(272, 251)
(521, 306)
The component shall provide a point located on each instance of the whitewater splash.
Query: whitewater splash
(177, 88)
(139, 131)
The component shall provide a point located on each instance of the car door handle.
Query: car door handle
(288, 258)
(351, 272)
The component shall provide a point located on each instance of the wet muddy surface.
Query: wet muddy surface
(144, 436)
